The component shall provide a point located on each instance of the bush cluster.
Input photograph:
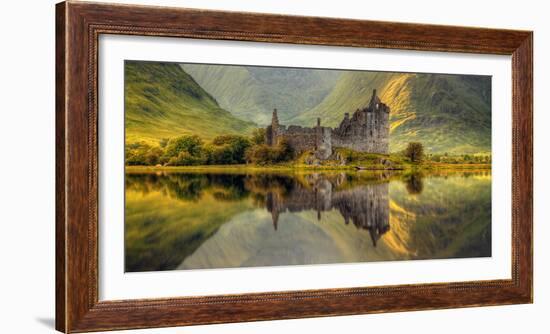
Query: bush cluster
(190, 150)
(460, 159)
(262, 154)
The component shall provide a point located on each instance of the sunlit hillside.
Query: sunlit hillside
(162, 101)
(447, 113)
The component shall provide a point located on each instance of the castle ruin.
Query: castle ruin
(367, 130)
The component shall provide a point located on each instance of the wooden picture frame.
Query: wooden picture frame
(78, 27)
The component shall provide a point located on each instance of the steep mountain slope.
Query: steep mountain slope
(162, 101)
(447, 113)
(252, 93)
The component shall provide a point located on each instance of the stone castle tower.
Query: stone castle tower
(367, 130)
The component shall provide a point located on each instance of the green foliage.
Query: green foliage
(258, 136)
(415, 152)
(153, 156)
(265, 155)
(190, 150)
(260, 154)
(370, 160)
(163, 142)
(185, 151)
(284, 151)
(189, 144)
(219, 154)
(234, 145)
(137, 154)
(186, 159)
(460, 159)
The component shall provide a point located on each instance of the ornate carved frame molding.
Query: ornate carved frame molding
(78, 26)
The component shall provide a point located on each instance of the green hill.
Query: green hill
(252, 92)
(447, 113)
(162, 101)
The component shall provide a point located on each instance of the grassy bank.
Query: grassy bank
(425, 166)
(340, 160)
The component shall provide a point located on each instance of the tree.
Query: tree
(219, 154)
(137, 154)
(235, 145)
(184, 144)
(284, 150)
(261, 155)
(414, 151)
(186, 159)
(163, 142)
(152, 157)
(258, 136)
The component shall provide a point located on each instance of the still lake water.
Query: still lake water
(201, 220)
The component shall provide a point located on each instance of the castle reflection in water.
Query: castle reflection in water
(219, 219)
(362, 200)
(366, 206)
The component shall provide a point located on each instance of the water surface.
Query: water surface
(203, 220)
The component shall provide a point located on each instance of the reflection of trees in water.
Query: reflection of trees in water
(414, 183)
(454, 216)
(189, 186)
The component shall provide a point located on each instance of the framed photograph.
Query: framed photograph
(223, 167)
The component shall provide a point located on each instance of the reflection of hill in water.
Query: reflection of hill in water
(248, 240)
(194, 220)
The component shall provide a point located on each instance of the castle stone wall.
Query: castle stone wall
(299, 138)
(367, 130)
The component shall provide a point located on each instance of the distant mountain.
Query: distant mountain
(162, 101)
(251, 92)
(447, 113)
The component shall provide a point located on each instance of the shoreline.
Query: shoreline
(308, 168)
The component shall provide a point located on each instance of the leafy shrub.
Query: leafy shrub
(230, 149)
(258, 136)
(189, 144)
(284, 151)
(137, 153)
(414, 151)
(153, 156)
(219, 154)
(263, 154)
(186, 159)
(190, 150)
